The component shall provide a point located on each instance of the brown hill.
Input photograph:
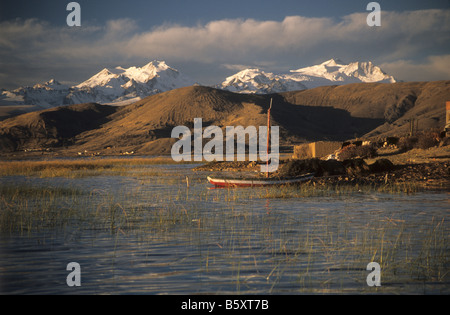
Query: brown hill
(54, 127)
(394, 104)
(333, 113)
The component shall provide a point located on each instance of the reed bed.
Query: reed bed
(260, 240)
(27, 209)
(77, 167)
(311, 189)
(323, 253)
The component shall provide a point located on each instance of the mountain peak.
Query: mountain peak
(259, 82)
(50, 84)
(119, 85)
(333, 62)
(247, 73)
(156, 64)
(122, 84)
(330, 72)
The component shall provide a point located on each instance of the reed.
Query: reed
(77, 167)
(311, 189)
(27, 209)
(237, 232)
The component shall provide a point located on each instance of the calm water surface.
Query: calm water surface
(151, 234)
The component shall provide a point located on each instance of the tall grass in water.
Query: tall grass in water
(311, 189)
(331, 256)
(77, 167)
(408, 254)
(235, 236)
(25, 208)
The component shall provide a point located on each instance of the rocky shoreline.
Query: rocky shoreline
(429, 176)
(433, 175)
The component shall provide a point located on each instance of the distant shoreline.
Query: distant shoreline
(417, 169)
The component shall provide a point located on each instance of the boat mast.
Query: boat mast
(268, 137)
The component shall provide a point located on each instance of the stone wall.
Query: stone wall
(316, 149)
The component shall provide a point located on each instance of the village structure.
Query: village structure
(447, 121)
(332, 149)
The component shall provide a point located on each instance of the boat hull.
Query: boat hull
(257, 182)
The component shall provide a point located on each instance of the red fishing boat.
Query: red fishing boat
(223, 181)
(257, 182)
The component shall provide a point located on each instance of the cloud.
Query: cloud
(34, 51)
(245, 41)
(230, 40)
(40, 49)
(433, 68)
(237, 67)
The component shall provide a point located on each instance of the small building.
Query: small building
(318, 149)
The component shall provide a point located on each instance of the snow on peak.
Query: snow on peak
(106, 77)
(157, 66)
(146, 73)
(116, 85)
(51, 85)
(258, 81)
(367, 72)
(336, 71)
(330, 72)
(119, 75)
(52, 82)
(119, 84)
(45, 95)
(248, 75)
(333, 62)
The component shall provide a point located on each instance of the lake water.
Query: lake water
(151, 234)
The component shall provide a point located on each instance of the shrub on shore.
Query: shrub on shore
(423, 141)
(363, 151)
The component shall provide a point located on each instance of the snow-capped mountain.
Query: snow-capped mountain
(110, 86)
(121, 86)
(131, 84)
(257, 81)
(331, 72)
(336, 72)
(48, 94)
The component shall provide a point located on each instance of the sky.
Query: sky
(210, 40)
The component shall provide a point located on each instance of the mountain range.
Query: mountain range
(117, 86)
(331, 72)
(122, 86)
(337, 112)
(329, 101)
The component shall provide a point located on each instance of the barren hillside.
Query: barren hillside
(324, 113)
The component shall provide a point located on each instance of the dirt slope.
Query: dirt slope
(393, 104)
(325, 113)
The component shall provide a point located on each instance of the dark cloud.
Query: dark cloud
(32, 50)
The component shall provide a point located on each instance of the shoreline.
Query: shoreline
(427, 169)
(424, 169)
